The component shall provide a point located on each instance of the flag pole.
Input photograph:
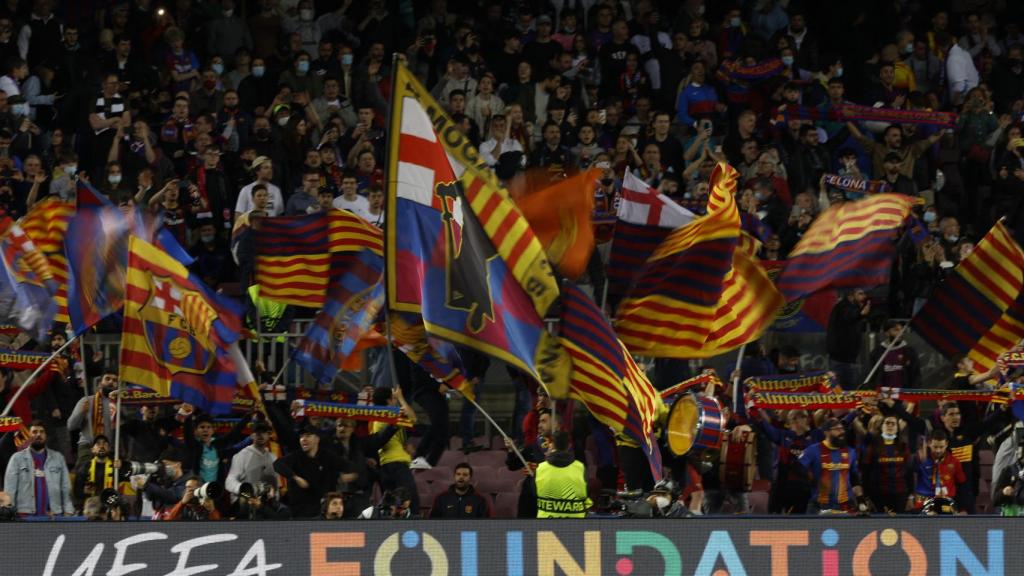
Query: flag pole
(736, 400)
(526, 465)
(35, 374)
(885, 352)
(117, 426)
(391, 202)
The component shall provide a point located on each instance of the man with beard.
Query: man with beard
(892, 143)
(253, 464)
(835, 482)
(461, 500)
(37, 478)
(95, 415)
(790, 490)
(97, 473)
(311, 473)
(938, 472)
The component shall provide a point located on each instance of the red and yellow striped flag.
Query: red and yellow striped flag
(701, 292)
(45, 224)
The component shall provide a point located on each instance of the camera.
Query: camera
(625, 504)
(209, 491)
(134, 468)
(111, 498)
(250, 491)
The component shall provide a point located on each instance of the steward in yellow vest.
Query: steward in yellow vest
(561, 483)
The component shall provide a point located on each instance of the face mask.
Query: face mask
(114, 179)
(889, 437)
(930, 217)
(258, 71)
(263, 133)
(839, 72)
(70, 169)
(662, 502)
(734, 22)
(347, 59)
(217, 67)
(302, 66)
(20, 109)
(787, 60)
(701, 9)
(908, 48)
(228, 13)
(283, 121)
(207, 238)
(306, 14)
(952, 238)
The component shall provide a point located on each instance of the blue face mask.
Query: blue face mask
(787, 60)
(734, 22)
(258, 71)
(347, 59)
(930, 217)
(217, 67)
(302, 66)
(839, 72)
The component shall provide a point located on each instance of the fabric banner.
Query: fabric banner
(822, 382)
(387, 414)
(855, 113)
(21, 359)
(861, 186)
(839, 400)
(804, 400)
(699, 381)
(1000, 396)
(1014, 359)
(10, 423)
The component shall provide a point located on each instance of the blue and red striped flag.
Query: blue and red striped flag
(604, 376)
(27, 285)
(459, 253)
(849, 246)
(701, 293)
(177, 333)
(352, 305)
(645, 218)
(979, 310)
(296, 256)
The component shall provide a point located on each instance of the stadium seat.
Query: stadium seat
(498, 443)
(506, 505)
(436, 475)
(455, 443)
(986, 458)
(490, 458)
(758, 502)
(450, 458)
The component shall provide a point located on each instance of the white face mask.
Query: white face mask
(888, 436)
(283, 120)
(662, 502)
(306, 15)
(114, 179)
(70, 169)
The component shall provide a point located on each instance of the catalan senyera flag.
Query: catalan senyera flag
(176, 332)
(46, 223)
(27, 285)
(808, 314)
(353, 302)
(296, 256)
(645, 218)
(849, 246)
(560, 217)
(978, 311)
(700, 293)
(459, 252)
(605, 378)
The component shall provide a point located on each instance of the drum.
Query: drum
(694, 422)
(737, 463)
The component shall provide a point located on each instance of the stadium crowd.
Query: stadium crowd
(210, 112)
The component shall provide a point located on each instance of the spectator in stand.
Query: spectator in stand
(461, 500)
(961, 74)
(393, 458)
(37, 478)
(845, 327)
(253, 464)
(311, 473)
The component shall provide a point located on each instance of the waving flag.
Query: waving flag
(296, 256)
(849, 246)
(605, 377)
(27, 285)
(46, 223)
(459, 253)
(348, 315)
(437, 357)
(560, 217)
(645, 218)
(177, 333)
(700, 293)
(808, 314)
(979, 310)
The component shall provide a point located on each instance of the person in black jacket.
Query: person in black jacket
(845, 325)
(311, 472)
(356, 479)
(461, 500)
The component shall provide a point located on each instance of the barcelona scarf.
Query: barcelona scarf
(321, 409)
(822, 382)
(856, 113)
(861, 186)
(21, 359)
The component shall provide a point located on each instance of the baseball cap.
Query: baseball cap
(258, 161)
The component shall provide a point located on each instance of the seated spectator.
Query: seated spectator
(461, 500)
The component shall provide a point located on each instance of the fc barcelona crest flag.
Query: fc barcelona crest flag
(176, 332)
(459, 253)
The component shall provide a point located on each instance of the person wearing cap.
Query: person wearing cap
(898, 183)
(263, 169)
(167, 489)
(543, 47)
(835, 481)
(901, 367)
(96, 473)
(254, 463)
(312, 472)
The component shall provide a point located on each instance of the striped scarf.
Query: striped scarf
(854, 112)
(108, 474)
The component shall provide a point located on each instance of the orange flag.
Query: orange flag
(560, 218)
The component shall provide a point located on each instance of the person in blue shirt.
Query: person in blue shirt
(835, 485)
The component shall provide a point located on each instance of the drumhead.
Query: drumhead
(682, 425)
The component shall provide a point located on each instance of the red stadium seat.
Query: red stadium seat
(758, 502)
(506, 505)
(490, 458)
